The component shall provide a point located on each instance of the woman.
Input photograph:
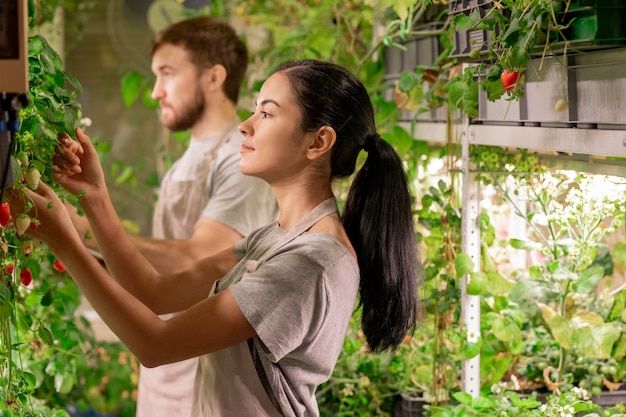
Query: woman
(268, 316)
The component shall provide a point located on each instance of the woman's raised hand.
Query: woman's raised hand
(66, 158)
(76, 165)
(55, 226)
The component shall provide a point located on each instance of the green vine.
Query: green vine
(40, 341)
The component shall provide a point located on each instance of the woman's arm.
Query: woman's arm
(211, 324)
(123, 259)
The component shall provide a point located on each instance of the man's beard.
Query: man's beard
(189, 114)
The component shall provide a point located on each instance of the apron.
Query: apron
(180, 203)
(239, 362)
(325, 208)
(167, 390)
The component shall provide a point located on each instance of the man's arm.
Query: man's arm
(169, 255)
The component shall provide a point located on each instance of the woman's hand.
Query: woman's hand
(66, 159)
(55, 225)
(76, 165)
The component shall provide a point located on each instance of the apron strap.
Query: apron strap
(320, 211)
(210, 154)
(325, 208)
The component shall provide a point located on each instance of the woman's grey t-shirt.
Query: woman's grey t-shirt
(299, 301)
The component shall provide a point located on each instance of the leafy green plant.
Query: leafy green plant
(37, 313)
(440, 221)
(567, 231)
(516, 31)
(107, 381)
(42, 341)
(567, 216)
(503, 403)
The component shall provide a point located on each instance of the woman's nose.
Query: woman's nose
(244, 127)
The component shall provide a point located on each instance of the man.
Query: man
(205, 204)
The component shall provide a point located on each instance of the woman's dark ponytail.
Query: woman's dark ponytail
(379, 221)
(378, 213)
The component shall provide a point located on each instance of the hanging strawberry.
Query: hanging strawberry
(58, 266)
(22, 223)
(32, 177)
(5, 213)
(509, 79)
(26, 276)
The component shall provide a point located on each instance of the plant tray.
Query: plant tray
(457, 6)
(466, 41)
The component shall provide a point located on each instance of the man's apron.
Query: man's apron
(167, 390)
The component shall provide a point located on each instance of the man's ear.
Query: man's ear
(213, 78)
(322, 142)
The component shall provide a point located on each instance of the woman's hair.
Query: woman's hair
(209, 41)
(378, 214)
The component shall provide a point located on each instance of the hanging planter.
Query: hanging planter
(474, 42)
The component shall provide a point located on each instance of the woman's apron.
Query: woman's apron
(215, 395)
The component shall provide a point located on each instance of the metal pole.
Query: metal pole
(470, 304)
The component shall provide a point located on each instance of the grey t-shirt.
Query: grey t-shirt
(299, 301)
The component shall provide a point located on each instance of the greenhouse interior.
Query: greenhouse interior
(504, 290)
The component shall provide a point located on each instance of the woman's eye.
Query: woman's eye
(264, 115)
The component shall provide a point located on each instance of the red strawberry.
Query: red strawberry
(8, 268)
(5, 213)
(58, 266)
(26, 276)
(509, 79)
(33, 226)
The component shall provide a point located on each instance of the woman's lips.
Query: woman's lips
(246, 148)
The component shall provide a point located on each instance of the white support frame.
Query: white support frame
(470, 304)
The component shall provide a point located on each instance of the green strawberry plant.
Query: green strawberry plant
(40, 339)
(503, 403)
(518, 30)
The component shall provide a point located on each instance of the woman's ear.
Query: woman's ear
(322, 142)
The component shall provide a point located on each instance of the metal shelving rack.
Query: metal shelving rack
(590, 136)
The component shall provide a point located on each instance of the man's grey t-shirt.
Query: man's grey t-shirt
(299, 301)
(239, 201)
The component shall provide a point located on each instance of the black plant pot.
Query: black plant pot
(407, 406)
